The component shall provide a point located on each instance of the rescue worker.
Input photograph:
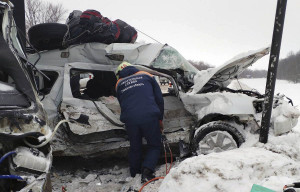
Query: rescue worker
(142, 110)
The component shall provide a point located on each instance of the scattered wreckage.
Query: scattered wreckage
(44, 94)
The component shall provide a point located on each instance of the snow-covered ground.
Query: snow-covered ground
(271, 165)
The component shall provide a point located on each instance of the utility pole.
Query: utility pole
(272, 71)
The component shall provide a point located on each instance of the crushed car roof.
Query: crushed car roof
(154, 55)
(139, 53)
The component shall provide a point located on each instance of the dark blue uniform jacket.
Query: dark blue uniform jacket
(139, 95)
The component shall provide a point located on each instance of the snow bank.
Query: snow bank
(232, 171)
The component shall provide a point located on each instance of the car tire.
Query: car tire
(47, 36)
(216, 136)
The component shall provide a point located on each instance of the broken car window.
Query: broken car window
(92, 84)
(170, 59)
(165, 85)
(45, 85)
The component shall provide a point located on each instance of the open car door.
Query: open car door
(89, 103)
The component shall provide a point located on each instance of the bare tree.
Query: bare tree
(37, 12)
(200, 65)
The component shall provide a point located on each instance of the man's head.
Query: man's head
(121, 67)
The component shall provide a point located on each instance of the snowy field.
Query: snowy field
(271, 165)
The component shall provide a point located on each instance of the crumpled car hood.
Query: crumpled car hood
(228, 70)
(218, 103)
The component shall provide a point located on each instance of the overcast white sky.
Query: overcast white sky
(212, 31)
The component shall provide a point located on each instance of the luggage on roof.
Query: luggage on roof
(128, 34)
(81, 27)
(47, 36)
(90, 26)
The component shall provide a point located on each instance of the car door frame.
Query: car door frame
(69, 101)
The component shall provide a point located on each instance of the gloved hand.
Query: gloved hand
(161, 126)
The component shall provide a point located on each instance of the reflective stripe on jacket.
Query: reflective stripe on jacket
(139, 95)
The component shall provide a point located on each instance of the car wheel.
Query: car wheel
(47, 36)
(216, 137)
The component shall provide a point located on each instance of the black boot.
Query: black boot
(147, 175)
(133, 172)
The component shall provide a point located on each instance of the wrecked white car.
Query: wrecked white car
(202, 114)
(22, 120)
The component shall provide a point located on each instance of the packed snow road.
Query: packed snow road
(271, 165)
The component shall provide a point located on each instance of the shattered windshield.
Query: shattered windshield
(169, 58)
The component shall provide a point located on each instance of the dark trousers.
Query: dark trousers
(149, 129)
